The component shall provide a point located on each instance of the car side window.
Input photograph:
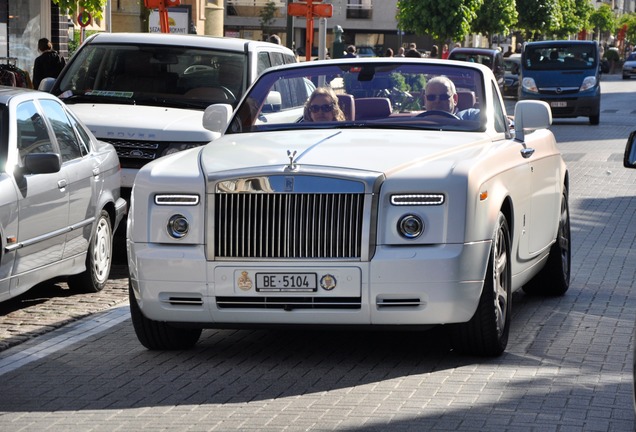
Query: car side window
(33, 135)
(70, 146)
(263, 62)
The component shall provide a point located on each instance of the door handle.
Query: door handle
(61, 184)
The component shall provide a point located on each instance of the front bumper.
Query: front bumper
(569, 105)
(399, 286)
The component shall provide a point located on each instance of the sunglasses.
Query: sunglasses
(442, 97)
(323, 108)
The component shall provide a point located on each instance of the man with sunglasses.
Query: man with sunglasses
(441, 95)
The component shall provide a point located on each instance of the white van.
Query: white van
(145, 93)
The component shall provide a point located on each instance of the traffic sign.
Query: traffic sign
(323, 10)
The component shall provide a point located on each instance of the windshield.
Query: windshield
(382, 94)
(561, 57)
(176, 76)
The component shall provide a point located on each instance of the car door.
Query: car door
(81, 172)
(43, 199)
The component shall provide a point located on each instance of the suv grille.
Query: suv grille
(272, 225)
(135, 154)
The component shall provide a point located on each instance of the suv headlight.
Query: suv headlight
(529, 85)
(588, 83)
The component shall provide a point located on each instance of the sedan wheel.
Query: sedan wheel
(486, 334)
(98, 259)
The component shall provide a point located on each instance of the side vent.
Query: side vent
(184, 301)
(405, 302)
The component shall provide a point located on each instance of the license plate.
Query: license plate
(278, 282)
(558, 104)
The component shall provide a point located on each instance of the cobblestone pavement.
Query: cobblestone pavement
(52, 305)
(568, 366)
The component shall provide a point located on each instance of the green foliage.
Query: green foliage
(603, 18)
(94, 7)
(495, 17)
(629, 20)
(449, 19)
(267, 14)
(74, 44)
(538, 17)
(611, 55)
(573, 17)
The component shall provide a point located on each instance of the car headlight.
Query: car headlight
(529, 85)
(410, 226)
(178, 226)
(588, 83)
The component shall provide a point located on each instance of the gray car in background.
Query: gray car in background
(59, 196)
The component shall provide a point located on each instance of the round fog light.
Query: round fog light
(178, 226)
(410, 226)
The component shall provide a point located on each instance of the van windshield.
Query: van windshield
(174, 76)
(561, 57)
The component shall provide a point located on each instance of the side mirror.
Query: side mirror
(46, 85)
(273, 102)
(216, 117)
(629, 160)
(531, 115)
(42, 163)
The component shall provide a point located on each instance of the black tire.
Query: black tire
(158, 335)
(99, 258)
(554, 277)
(595, 119)
(486, 334)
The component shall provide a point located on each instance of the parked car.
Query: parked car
(629, 66)
(565, 74)
(512, 66)
(59, 196)
(116, 79)
(492, 58)
(393, 218)
(365, 51)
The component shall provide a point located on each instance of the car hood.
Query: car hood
(139, 122)
(630, 63)
(382, 151)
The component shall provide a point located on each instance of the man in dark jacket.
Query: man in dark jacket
(48, 64)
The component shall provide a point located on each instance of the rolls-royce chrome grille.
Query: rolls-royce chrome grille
(288, 225)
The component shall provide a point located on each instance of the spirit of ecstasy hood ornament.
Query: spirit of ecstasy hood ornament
(292, 161)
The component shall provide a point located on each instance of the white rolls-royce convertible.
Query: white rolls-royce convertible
(354, 193)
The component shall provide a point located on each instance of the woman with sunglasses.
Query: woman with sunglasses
(322, 106)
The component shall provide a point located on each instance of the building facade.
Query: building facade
(364, 22)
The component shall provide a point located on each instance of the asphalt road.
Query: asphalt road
(568, 366)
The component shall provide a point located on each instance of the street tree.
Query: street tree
(267, 15)
(72, 7)
(537, 17)
(573, 17)
(495, 17)
(602, 20)
(444, 20)
(630, 21)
